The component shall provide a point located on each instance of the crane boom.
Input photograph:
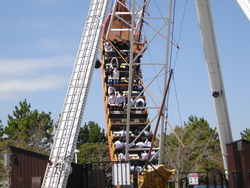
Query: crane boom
(245, 7)
(66, 136)
(214, 75)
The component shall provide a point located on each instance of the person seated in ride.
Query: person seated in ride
(116, 75)
(138, 60)
(127, 59)
(116, 47)
(147, 134)
(140, 86)
(109, 76)
(138, 75)
(111, 89)
(132, 168)
(123, 132)
(147, 143)
(153, 154)
(144, 155)
(140, 144)
(112, 102)
(137, 130)
(108, 49)
(121, 101)
(114, 63)
(119, 144)
(107, 61)
(121, 156)
(125, 47)
(140, 103)
(126, 77)
(132, 104)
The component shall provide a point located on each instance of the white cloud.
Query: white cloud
(22, 76)
(23, 67)
(10, 89)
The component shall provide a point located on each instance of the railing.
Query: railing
(208, 179)
(122, 173)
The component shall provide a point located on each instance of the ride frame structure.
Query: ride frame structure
(64, 145)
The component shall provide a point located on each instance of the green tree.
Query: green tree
(92, 143)
(93, 152)
(1, 130)
(4, 171)
(83, 135)
(245, 134)
(91, 133)
(200, 150)
(29, 129)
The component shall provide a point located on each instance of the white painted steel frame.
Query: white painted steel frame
(164, 68)
(65, 140)
(214, 74)
(245, 6)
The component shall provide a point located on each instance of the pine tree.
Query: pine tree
(200, 150)
(91, 133)
(92, 144)
(245, 134)
(29, 129)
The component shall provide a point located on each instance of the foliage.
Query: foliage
(32, 130)
(1, 130)
(201, 150)
(29, 129)
(4, 170)
(91, 133)
(92, 143)
(93, 152)
(245, 134)
(4, 175)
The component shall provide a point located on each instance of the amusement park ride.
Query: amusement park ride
(122, 45)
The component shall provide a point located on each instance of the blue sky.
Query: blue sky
(39, 41)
